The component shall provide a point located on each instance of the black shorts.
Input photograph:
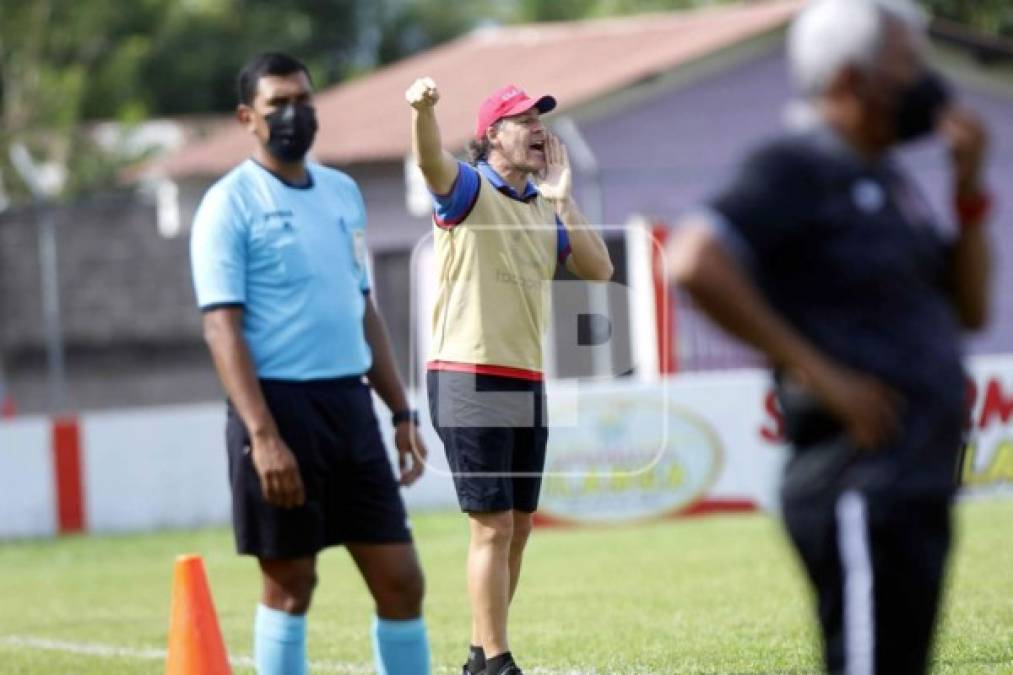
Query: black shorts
(494, 432)
(351, 493)
(876, 564)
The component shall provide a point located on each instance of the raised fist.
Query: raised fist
(422, 94)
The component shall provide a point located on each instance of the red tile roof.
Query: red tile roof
(366, 119)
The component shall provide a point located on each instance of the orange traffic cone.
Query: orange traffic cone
(195, 641)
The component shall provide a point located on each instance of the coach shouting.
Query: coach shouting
(502, 224)
(823, 254)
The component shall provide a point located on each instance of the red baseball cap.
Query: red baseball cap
(507, 101)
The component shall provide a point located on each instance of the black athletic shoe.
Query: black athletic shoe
(508, 669)
(465, 671)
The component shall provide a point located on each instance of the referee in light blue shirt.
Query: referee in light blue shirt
(281, 275)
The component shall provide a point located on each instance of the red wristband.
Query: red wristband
(972, 209)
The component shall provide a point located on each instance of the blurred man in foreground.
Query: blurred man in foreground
(281, 272)
(823, 254)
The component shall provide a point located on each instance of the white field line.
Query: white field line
(152, 654)
(83, 648)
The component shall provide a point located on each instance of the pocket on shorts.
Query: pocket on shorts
(237, 444)
(818, 469)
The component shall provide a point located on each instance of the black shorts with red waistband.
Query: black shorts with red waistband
(494, 432)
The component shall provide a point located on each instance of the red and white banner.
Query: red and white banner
(618, 451)
(714, 442)
(988, 459)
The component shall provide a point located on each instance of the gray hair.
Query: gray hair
(478, 148)
(829, 35)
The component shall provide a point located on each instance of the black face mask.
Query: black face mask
(919, 107)
(292, 131)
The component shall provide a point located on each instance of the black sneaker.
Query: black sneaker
(508, 669)
(465, 671)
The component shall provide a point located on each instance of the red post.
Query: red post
(67, 473)
(664, 302)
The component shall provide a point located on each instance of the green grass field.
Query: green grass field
(709, 595)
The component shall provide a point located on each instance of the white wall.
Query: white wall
(166, 467)
(27, 499)
(157, 467)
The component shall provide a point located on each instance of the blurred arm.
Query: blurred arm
(868, 409)
(968, 139)
(971, 275)
(717, 282)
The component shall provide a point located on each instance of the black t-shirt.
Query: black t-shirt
(850, 254)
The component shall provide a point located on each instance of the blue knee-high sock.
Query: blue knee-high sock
(279, 642)
(401, 647)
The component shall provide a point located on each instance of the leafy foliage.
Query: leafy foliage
(65, 62)
(989, 16)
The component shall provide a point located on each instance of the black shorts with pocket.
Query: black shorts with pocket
(494, 432)
(352, 495)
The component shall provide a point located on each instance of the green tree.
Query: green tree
(989, 16)
(49, 50)
(195, 56)
(554, 10)
(395, 29)
(65, 62)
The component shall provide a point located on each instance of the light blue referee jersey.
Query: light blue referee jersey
(295, 259)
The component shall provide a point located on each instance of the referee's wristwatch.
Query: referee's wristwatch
(405, 416)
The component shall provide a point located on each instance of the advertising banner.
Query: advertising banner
(714, 442)
(619, 451)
